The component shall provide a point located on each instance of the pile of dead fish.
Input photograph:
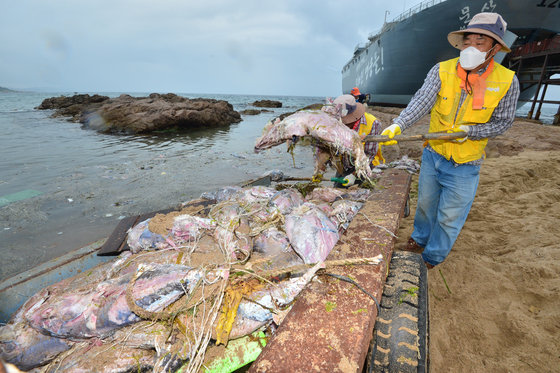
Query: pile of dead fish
(158, 306)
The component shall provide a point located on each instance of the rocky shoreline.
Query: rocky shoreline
(126, 114)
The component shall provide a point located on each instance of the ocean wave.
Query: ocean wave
(12, 111)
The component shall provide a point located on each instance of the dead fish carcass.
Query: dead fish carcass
(266, 305)
(344, 211)
(27, 348)
(141, 238)
(286, 199)
(311, 232)
(101, 310)
(222, 194)
(189, 228)
(326, 129)
(250, 230)
(107, 359)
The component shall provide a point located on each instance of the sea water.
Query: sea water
(548, 111)
(63, 187)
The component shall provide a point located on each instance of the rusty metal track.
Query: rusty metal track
(330, 326)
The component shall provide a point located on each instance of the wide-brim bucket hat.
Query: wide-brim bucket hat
(351, 110)
(489, 24)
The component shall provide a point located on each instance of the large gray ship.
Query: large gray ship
(393, 63)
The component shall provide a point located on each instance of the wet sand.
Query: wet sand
(501, 312)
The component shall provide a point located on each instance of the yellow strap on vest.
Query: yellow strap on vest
(365, 129)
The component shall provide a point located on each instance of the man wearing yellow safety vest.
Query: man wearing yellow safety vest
(475, 95)
(355, 117)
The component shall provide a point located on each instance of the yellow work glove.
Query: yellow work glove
(461, 128)
(391, 131)
(349, 180)
(317, 178)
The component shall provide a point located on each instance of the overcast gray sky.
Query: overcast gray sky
(282, 47)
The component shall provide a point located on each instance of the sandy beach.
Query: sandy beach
(494, 304)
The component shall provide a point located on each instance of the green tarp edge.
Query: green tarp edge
(238, 353)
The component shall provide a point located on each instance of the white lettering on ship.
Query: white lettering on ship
(372, 65)
(465, 16)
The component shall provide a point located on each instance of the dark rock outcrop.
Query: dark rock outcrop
(250, 112)
(72, 106)
(127, 114)
(267, 103)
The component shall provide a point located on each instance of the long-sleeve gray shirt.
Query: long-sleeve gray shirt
(425, 98)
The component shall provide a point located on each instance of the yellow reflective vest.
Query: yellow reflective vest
(446, 114)
(364, 130)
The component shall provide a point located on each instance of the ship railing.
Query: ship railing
(359, 48)
(404, 15)
(417, 8)
(535, 71)
(409, 13)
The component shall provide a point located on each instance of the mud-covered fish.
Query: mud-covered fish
(324, 128)
(27, 348)
(232, 230)
(141, 238)
(260, 307)
(189, 228)
(286, 199)
(271, 241)
(106, 358)
(222, 194)
(104, 305)
(330, 195)
(254, 194)
(344, 211)
(99, 311)
(311, 232)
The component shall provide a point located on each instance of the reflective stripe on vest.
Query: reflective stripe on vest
(365, 128)
(446, 114)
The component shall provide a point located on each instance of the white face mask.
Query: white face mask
(471, 57)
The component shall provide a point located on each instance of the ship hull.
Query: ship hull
(393, 64)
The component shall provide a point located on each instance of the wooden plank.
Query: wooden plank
(117, 240)
(330, 326)
(263, 180)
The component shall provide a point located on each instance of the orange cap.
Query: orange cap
(355, 91)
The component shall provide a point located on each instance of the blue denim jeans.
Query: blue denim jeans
(445, 196)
